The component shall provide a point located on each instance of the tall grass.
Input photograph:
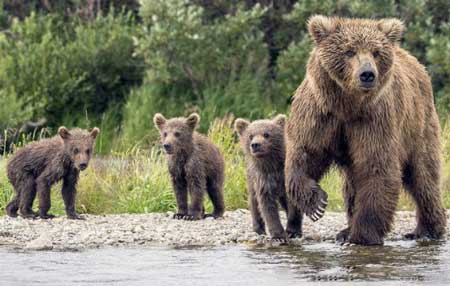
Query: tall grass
(137, 181)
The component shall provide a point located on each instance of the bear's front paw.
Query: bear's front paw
(343, 236)
(316, 203)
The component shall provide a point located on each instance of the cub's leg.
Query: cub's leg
(26, 188)
(294, 217)
(181, 196)
(257, 221)
(268, 206)
(196, 186)
(349, 200)
(215, 193)
(69, 193)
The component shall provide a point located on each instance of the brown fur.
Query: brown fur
(381, 135)
(36, 167)
(263, 145)
(196, 166)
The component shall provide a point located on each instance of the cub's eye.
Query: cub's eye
(376, 54)
(350, 53)
(266, 135)
(250, 137)
(177, 134)
(76, 151)
(165, 134)
(88, 151)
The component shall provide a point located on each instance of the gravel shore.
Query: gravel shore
(160, 229)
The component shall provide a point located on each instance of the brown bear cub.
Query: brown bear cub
(367, 105)
(196, 166)
(34, 168)
(263, 145)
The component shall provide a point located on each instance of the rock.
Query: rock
(43, 242)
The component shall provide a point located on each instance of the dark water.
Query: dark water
(394, 263)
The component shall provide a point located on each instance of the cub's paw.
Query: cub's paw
(179, 216)
(316, 202)
(422, 235)
(343, 236)
(278, 241)
(75, 217)
(193, 217)
(29, 215)
(46, 216)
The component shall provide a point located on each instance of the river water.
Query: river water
(406, 263)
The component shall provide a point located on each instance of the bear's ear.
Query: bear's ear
(193, 120)
(392, 28)
(159, 120)
(240, 125)
(64, 132)
(280, 120)
(320, 27)
(95, 132)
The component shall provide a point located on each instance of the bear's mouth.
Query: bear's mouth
(258, 153)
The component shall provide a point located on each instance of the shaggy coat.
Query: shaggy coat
(196, 166)
(367, 105)
(263, 145)
(36, 167)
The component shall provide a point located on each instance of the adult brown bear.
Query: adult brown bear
(367, 105)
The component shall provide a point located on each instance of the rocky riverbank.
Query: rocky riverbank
(160, 229)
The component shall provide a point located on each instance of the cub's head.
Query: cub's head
(261, 138)
(79, 144)
(176, 133)
(357, 53)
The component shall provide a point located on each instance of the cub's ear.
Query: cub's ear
(320, 27)
(64, 132)
(95, 132)
(193, 120)
(159, 120)
(240, 125)
(392, 28)
(280, 119)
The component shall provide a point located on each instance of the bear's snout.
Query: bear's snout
(367, 76)
(83, 166)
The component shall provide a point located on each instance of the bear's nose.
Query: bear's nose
(255, 146)
(83, 166)
(167, 147)
(367, 76)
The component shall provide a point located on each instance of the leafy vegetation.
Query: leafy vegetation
(115, 63)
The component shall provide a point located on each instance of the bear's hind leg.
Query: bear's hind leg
(215, 193)
(26, 190)
(422, 183)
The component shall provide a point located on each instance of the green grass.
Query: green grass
(137, 181)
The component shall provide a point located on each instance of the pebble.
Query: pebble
(160, 229)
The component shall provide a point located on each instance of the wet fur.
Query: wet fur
(33, 169)
(265, 178)
(196, 167)
(381, 139)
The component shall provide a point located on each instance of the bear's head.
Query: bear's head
(358, 54)
(262, 138)
(176, 133)
(79, 145)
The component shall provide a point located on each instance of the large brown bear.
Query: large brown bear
(196, 166)
(367, 105)
(36, 167)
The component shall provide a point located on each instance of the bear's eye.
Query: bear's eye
(165, 134)
(376, 54)
(177, 134)
(350, 53)
(266, 135)
(88, 152)
(250, 137)
(76, 151)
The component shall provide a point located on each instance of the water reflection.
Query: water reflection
(410, 262)
(401, 260)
